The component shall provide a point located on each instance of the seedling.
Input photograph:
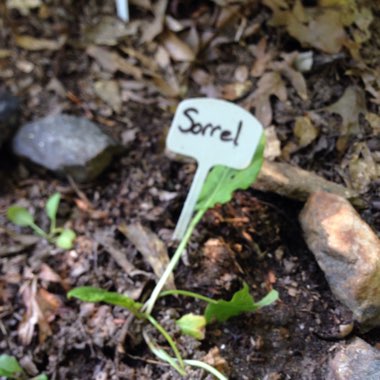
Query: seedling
(11, 369)
(218, 187)
(61, 237)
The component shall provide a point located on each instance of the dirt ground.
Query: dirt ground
(254, 238)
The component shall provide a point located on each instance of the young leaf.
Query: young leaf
(92, 294)
(20, 216)
(221, 182)
(241, 302)
(51, 208)
(65, 239)
(271, 297)
(9, 366)
(40, 377)
(192, 325)
(162, 354)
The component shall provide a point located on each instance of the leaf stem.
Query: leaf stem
(187, 294)
(148, 307)
(166, 335)
(206, 367)
(39, 231)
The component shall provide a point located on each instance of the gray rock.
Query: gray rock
(9, 115)
(356, 361)
(348, 252)
(66, 145)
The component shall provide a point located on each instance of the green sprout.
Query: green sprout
(11, 369)
(218, 188)
(61, 237)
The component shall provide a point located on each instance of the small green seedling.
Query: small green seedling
(233, 168)
(61, 237)
(11, 369)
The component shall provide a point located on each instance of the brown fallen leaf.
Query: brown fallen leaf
(112, 62)
(374, 121)
(215, 359)
(4, 53)
(35, 44)
(349, 107)
(33, 316)
(234, 91)
(362, 168)
(263, 57)
(305, 131)
(295, 77)
(108, 31)
(178, 50)
(269, 84)
(105, 238)
(319, 27)
(17, 243)
(153, 29)
(109, 92)
(23, 6)
(151, 247)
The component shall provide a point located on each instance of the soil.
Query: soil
(255, 238)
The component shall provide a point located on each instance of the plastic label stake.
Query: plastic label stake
(213, 132)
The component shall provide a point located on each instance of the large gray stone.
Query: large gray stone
(9, 115)
(66, 145)
(348, 252)
(356, 361)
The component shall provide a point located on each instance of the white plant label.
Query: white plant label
(213, 132)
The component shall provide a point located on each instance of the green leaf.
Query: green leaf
(20, 216)
(241, 302)
(270, 298)
(65, 239)
(192, 325)
(40, 377)
(51, 208)
(162, 354)
(92, 294)
(222, 181)
(9, 366)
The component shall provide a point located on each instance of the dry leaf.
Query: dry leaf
(151, 247)
(34, 44)
(144, 59)
(108, 31)
(177, 49)
(23, 6)
(374, 121)
(153, 29)
(33, 316)
(321, 28)
(234, 91)
(362, 168)
(113, 62)
(371, 79)
(295, 78)
(272, 144)
(263, 57)
(349, 107)
(269, 84)
(4, 53)
(305, 131)
(109, 92)
(106, 239)
(47, 274)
